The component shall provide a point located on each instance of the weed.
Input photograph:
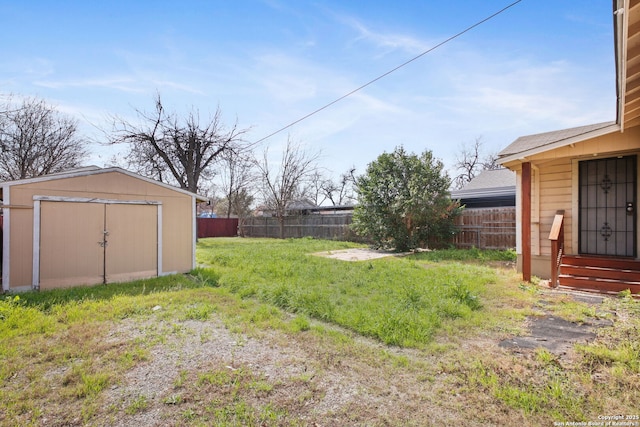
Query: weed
(91, 384)
(198, 311)
(473, 254)
(300, 323)
(204, 276)
(132, 357)
(526, 399)
(138, 404)
(216, 378)
(182, 378)
(545, 356)
(625, 294)
(624, 353)
(189, 414)
(461, 293)
(174, 399)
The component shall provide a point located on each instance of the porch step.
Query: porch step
(601, 274)
(606, 262)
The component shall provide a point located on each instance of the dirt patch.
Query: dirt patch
(189, 349)
(359, 254)
(318, 382)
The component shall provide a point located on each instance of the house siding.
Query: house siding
(555, 194)
(555, 187)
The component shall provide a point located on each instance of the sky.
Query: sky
(539, 66)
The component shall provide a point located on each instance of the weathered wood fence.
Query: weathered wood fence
(486, 228)
(482, 228)
(333, 227)
(217, 227)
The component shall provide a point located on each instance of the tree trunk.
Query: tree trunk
(281, 222)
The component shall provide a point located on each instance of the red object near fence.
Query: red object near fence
(217, 227)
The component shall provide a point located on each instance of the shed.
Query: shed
(94, 225)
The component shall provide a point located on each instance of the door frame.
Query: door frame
(576, 229)
(36, 226)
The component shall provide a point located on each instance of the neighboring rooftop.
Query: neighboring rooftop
(492, 188)
(489, 179)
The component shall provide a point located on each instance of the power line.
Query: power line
(390, 71)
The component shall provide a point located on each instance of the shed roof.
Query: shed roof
(95, 170)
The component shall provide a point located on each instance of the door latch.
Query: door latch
(630, 208)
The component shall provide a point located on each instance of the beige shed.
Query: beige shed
(93, 225)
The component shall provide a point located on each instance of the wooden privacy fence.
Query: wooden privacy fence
(483, 228)
(217, 227)
(333, 227)
(486, 228)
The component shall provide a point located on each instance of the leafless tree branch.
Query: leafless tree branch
(281, 186)
(168, 148)
(35, 140)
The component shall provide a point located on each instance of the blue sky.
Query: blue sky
(542, 65)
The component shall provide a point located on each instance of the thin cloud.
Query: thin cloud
(123, 84)
(385, 41)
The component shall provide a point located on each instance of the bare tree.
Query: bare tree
(237, 178)
(241, 205)
(168, 148)
(35, 139)
(341, 192)
(316, 188)
(471, 162)
(490, 162)
(283, 185)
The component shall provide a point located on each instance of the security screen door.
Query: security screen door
(607, 205)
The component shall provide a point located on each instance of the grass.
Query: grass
(400, 302)
(473, 254)
(417, 332)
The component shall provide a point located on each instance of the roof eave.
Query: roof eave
(478, 193)
(620, 24)
(94, 170)
(522, 156)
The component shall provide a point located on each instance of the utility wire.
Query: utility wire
(390, 71)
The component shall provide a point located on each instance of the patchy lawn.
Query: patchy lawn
(265, 334)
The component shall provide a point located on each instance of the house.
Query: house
(94, 225)
(490, 189)
(577, 189)
(488, 220)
